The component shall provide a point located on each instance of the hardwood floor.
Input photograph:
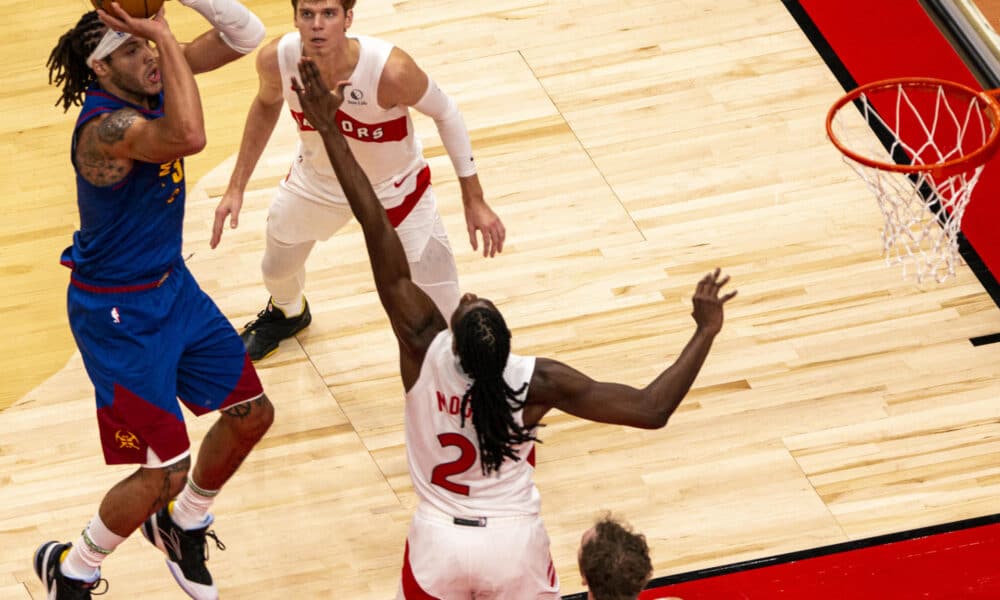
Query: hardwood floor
(629, 147)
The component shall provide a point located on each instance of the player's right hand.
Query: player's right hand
(319, 102)
(229, 206)
(119, 20)
(708, 313)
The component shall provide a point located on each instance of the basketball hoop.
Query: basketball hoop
(931, 140)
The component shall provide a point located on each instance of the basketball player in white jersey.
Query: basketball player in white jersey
(310, 204)
(472, 407)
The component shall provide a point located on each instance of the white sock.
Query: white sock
(95, 543)
(190, 509)
(291, 309)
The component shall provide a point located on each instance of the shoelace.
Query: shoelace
(97, 584)
(260, 316)
(218, 542)
(92, 587)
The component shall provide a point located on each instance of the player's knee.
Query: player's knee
(251, 420)
(276, 270)
(166, 481)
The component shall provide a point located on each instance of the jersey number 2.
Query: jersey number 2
(441, 473)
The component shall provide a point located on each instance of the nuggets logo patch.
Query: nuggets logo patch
(127, 440)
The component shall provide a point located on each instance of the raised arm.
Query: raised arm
(557, 385)
(414, 317)
(404, 83)
(125, 134)
(236, 32)
(265, 110)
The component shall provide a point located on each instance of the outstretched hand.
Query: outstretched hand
(318, 102)
(708, 313)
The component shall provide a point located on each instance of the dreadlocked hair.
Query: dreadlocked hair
(483, 343)
(68, 62)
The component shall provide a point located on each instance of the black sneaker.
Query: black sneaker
(262, 335)
(186, 553)
(57, 586)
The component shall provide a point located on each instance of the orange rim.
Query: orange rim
(964, 163)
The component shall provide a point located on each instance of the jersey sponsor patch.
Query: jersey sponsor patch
(394, 130)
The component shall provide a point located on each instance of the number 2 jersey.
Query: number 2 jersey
(382, 140)
(130, 231)
(444, 456)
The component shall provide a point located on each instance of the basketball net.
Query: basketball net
(931, 142)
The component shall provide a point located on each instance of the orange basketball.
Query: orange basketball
(136, 8)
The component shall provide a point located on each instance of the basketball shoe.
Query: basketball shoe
(48, 557)
(186, 552)
(262, 335)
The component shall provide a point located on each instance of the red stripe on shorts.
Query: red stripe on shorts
(412, 589)
(398, 213)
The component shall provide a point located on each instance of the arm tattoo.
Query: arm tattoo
(92, 159)
(113, 128)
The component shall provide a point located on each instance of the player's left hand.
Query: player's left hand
(480, 217)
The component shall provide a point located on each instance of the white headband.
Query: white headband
(109, 43)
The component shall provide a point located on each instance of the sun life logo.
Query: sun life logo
(356, 97)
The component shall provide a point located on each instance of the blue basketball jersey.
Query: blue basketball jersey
(131, 230)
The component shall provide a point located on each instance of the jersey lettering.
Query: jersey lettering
(453, 405)
(174, 168)
(387, 131)
(465, 460)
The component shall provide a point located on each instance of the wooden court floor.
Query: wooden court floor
(627, 155)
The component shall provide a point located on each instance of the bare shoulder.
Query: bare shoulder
(267, 58)
(403, 81)
(98, 151)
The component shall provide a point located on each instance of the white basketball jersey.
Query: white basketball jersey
(444, 456)
(383, 141)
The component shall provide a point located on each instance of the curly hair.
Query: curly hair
(68, 61)
(483, 343)
(615, 561)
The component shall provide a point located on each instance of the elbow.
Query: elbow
(658, 420)
(194, 142)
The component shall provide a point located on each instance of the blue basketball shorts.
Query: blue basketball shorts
(147, 348)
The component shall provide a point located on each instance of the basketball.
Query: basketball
(136, 8)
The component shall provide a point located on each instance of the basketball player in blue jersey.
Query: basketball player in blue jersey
(148, 335)
(477, 530)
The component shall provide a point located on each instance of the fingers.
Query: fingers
(493, 238)
(499, 235)
(112, 20)
(711, 284)
(216, 231)
(488, 248)
(472, 236)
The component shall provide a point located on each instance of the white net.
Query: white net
(921, 125)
